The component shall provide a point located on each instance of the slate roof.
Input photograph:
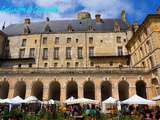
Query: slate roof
(60, 26)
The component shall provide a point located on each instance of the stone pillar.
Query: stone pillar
(115, 93)
(11, 93)
(80, 91)
(132, 90)
(98, 93)
(63, 94)
(149, 93)
(45, 92)
(28, 90)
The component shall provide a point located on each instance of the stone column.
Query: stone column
(80, 91)
(98, 93)
(45, 92)
(132, 90)
(115, 93)
(149, 93)
(63, 94)
(28, 90)
(11, 92)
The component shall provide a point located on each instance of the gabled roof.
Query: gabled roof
(60, 26)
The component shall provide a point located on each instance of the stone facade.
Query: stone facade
(95, 63)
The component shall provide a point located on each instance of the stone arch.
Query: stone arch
(72, 89)
(4, 89)
(141, 88)
(37, 89)
(54, 90)
(20, 89)
(106, 90)
(89, 90)
(123, 90)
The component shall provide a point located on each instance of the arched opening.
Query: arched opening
(72, 89)
(155, 86)
(141, 89)
(20, 89)
(106, 90)
(37, 90)
(123, 90)
(4, 89)
(54, 91)
(89, 90)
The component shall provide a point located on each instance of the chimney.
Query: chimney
(135, 26)
(27, 21)
(158, 11)
(116, 26)
(98, 18)
(47, 19)
(123, 16)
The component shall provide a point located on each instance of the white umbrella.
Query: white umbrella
(156, 98)
(51, 101)
(16, 100)
(83, 101)
(110, 100)
(7, 100)
(69, 99)
(138, 100)
(31, 99)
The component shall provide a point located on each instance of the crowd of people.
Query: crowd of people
(143, 112)
(81, 112)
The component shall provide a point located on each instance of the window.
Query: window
(80, 56)
(143, 64)
(56, 53)
(90, 40)
(56, 40)
(55, 64)
(118, 39)
(68, 53)
(30, 65)
(91, 51)
(19, 66)
(45, 64)
(101, 41)
(24, 42)
(44, 40)
(120, 51)
(68, 40)
(124, 40)
(45, 53)
(151, 61)
(76, 64)
(76, 40)
(35, 41)
(32, 52)
(68, 64)
(91, 64)
(21, 53)
(111, 63)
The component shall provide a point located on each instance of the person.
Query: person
(93, 113)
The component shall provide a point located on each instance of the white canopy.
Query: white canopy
(31, 99)
(110, 100)
(83, 101)
(138, 100)
(16, 100)
(156, 98)
(69, 99)
(7, 100)
(51, 101)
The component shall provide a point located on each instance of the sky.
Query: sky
(15, 11)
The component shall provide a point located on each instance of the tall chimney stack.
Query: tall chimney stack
(27, 21)
(98, 18)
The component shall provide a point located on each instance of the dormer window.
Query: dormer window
(47, 29)
(69, 28)
(26, 29)
(90, 28)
